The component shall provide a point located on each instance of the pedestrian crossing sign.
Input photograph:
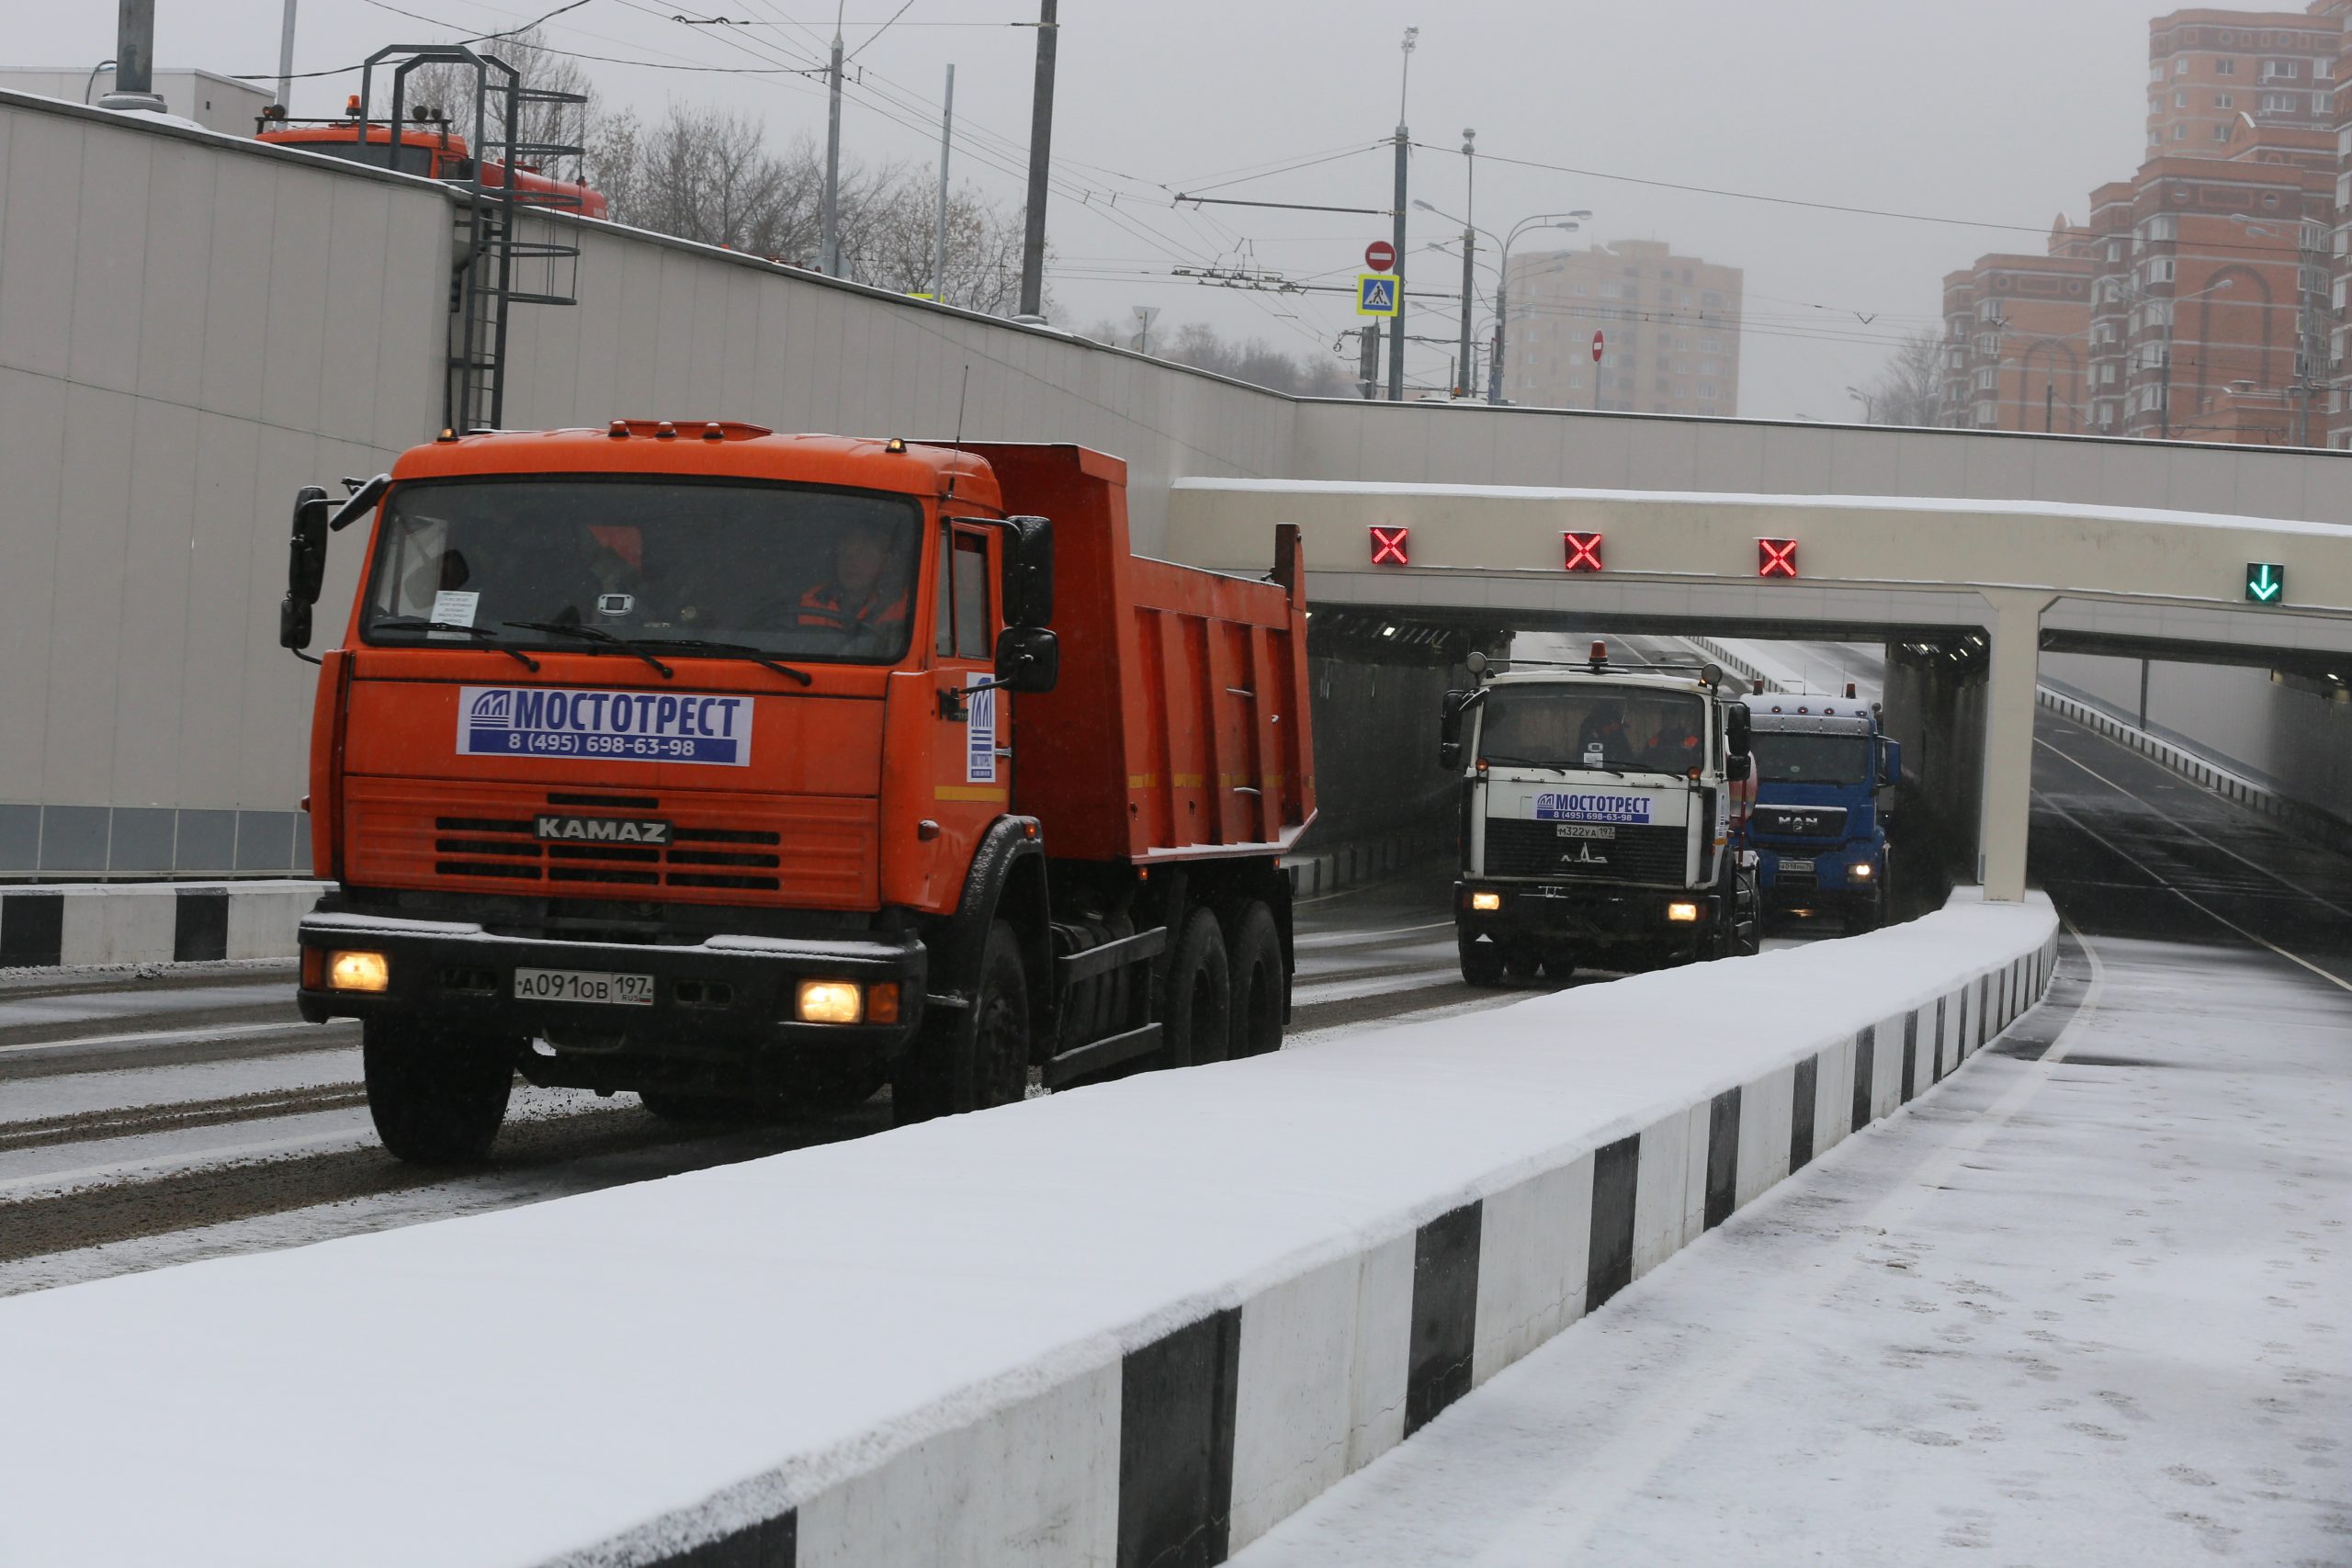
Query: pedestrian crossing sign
(1377, 293)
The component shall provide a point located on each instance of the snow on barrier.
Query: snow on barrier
(150, 922)
(1136, 1324)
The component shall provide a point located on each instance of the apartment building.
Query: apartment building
(1670, 326)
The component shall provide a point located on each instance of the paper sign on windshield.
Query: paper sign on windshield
(646, 727)
(1560, 805)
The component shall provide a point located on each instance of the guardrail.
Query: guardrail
(1136, 1322)
(100, 923)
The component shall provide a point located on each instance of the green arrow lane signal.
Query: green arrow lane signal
(2265, 582)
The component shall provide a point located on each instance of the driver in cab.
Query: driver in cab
(857, 603)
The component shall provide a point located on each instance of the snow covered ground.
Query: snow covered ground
(2083, 1309)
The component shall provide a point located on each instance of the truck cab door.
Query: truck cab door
(972, 747)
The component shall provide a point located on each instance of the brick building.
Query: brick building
(2208, 68)
(2017, 338)
(1671, 325)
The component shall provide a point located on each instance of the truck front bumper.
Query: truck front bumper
(1573, 912)
(1792, 874)
(727, 1001)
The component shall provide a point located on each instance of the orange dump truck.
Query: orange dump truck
(433, 152)
(742, 770)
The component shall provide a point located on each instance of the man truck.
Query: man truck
(740, 769)
(1597, 805)
(1819, 829)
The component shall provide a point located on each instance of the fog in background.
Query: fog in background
(1999, 113)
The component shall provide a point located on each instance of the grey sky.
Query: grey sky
(2002, 111)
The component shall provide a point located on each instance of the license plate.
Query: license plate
(1585, 830)
(582, 985)
(1796, 862)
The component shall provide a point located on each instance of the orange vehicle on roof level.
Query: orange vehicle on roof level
(432, 150)
(738, 768)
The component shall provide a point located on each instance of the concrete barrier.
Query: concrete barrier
(150, 922)
(1135, 1324)
(2198, 768)
(1328, 868)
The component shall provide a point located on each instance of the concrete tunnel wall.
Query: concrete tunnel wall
(192, 325)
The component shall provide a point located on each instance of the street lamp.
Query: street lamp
(1568, 221)
(1868, 403)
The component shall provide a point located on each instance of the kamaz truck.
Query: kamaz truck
(746, 771)
(1819, 826)
(1598, 808)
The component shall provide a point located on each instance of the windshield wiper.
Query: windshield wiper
(481, 634)
(729, 650)
(601, 638)
(1559, 764)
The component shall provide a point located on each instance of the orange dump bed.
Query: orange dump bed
(1180, 726)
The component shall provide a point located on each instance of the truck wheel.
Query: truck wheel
(1559, 964)
(970, 1058)
(435, 1100)
(1482, 962)
(1198, 1023)
(1258, 984)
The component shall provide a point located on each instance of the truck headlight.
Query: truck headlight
(1486, 903)
(830, 1002)
(1860, 871)
(358, 972)
(1682, 913)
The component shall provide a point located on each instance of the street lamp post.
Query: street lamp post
(1469, 253)
(1870, 404)
(1569, 222)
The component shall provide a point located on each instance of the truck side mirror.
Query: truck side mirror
(1449, 729)
(1028, 659)
(1737, 730)
(306, 567)
(1738, 766)
(1028, 571)
(1890, 763)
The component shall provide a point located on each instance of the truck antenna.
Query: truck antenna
(960, 394)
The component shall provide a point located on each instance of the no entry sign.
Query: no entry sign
(1380, 255)
(1596, 348)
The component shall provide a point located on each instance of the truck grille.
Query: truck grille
(817, 852)
(1826, 823)
(1653, 854)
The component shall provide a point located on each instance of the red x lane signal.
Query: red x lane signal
(1776, 557)
(1583, 551)
(1388, 546)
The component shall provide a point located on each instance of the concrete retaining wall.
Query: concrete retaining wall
(1136, 1324)
(150, 922)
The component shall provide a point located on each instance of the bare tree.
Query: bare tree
(1908, 390)
(1255, 361)
(888, 240)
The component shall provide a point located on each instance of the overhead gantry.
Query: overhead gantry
(2024, 575)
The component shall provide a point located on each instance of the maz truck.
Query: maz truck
(1819, 826)
(742, 769)
(1598, 808)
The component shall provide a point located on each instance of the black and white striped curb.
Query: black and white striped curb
(2202, 770)
(150, 922)
(1363, 860)
(1199, 1441)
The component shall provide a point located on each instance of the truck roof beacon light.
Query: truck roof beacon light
(1388, 545)
(1776, 557)
(1599, 654)
(1583, 551)
(1849, 689)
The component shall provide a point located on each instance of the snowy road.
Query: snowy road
(2084, 1305)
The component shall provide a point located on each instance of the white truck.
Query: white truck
(1599, 803)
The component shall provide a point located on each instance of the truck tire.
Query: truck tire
(1482, 962)
(435, 1100)
(975, 1057)
(1258, 984)
(1198, 1021)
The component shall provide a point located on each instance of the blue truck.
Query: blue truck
(1818, 825)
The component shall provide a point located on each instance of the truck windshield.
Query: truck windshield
(1811, 759)
(783, 569)
(1580, 726)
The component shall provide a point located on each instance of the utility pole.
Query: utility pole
(829, 240)
(939, 233)
(1404, 149)
(286, 55)
(1469, 256)
(1041, 160)
(1368, 365)
(134, 59)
